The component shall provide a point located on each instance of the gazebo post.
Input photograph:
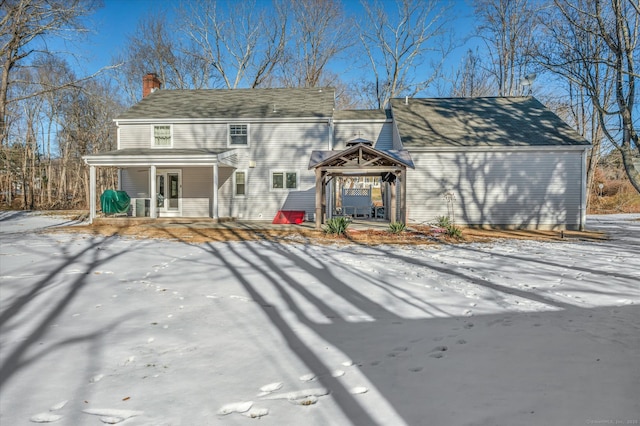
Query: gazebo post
(393, 215)
(403, 195)
(319, 186)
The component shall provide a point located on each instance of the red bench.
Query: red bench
(289, 217)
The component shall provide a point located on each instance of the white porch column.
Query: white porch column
(119, 179)
(92, 193)
(153, 190)
(214, 202)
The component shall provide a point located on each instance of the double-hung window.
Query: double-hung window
(240, 183)
(284, 180)
(162, 136)
(238, 135)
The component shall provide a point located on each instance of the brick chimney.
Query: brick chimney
(150, 83)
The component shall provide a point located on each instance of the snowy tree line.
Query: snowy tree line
(582, 53)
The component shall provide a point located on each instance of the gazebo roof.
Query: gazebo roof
(361, 156)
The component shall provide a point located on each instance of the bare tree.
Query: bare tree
(320, 31)
(472, 79)
(86, 128)
(397, 46)
(155, 47)
(592, 44)
(507, 28)
(242, 46)
(23, 25)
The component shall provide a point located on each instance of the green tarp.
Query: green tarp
(113, 202)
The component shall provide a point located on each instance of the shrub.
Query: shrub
(453, 231)
(397, 227)
(443, 221)
(337, 225)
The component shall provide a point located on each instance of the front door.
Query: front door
(169, 186)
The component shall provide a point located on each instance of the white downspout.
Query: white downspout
(215, 192)
(331, 130)
(117, 134)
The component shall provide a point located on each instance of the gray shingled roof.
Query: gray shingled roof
(478, 122)
(362, 114)
(234, 103)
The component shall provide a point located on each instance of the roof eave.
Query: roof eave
(220, 120)
(463, 148)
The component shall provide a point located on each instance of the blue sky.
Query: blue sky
(111, 24)
(117, 19)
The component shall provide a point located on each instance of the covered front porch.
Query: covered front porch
(154, 180)
(360, 160)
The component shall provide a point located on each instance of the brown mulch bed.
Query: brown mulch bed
(416, 235)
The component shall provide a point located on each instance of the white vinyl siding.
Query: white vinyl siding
(135, 181)
(134, 136)
(197, 191)
(211, 136)
(197, 188)
(380, 133)
(534, 189)
(274, 147)
(201, 135)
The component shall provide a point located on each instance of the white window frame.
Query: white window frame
(284, 180)
(246, 183)
(231, 145)
(153, 136)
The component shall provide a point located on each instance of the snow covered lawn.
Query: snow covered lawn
(126, 331)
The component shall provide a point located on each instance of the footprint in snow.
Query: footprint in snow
(307, 377)
(337, 373)
(295, 395)
(271, 387)
(45, 418)
(112, 416)
(59, 405)
(235, 407)
(256, 413)
(438, 352)
(96, 378)
(358, 390)
(307, 400)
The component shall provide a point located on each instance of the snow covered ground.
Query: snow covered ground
(116, 330)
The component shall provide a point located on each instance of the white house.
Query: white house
(250, 153)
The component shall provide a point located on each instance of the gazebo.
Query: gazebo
(361, 159)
